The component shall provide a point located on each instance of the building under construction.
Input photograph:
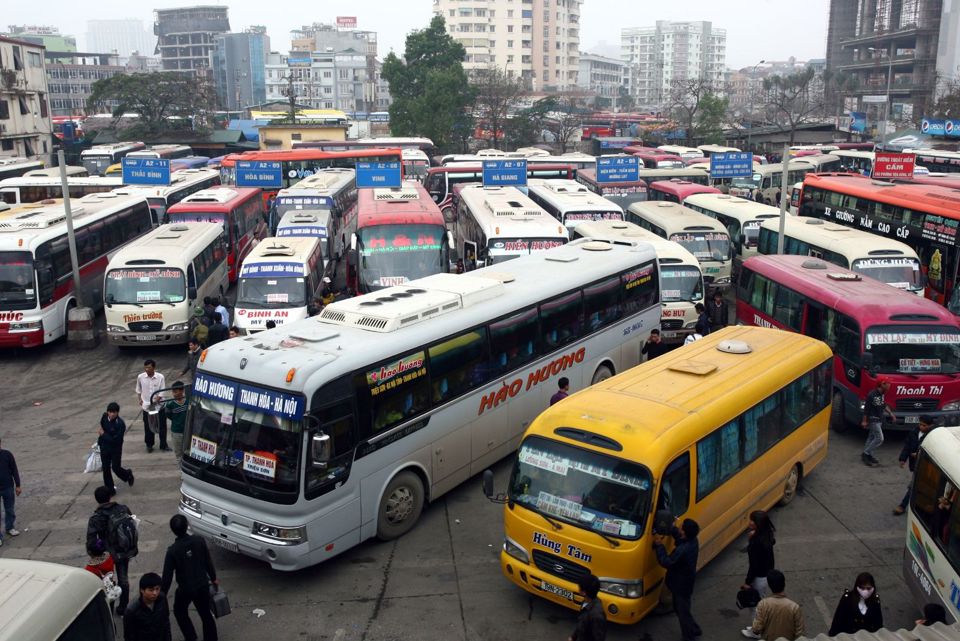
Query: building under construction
(185, 37)
(891, 56)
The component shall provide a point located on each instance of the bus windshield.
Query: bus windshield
(903, 273)
(96, 165)
(913, 349)
(394, 254)
(680, 283)
(16, 280)
(751, 233)
(571, 218)
(501, 249)
(747, 182)
(589, 490)
(259, 447)
(711, 245)
(133, 286)
(198, 217)
(271, 292)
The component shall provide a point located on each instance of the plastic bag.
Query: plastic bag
(94, 464)
(111, 588)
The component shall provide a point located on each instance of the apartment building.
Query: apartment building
(25, 125)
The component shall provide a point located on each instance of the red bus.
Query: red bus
(395, 236)
(925, 217)
(873, 329)
(950, 181)
(440, 181)
(621, 193)
(653, 158)
(677, 191)
(238, 209)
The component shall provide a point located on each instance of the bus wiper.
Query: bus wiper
(609, 539)
(553, 522)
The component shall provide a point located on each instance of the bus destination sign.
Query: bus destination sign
(618, 169)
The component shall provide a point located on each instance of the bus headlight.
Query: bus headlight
(515, 551)
(279, 535)
(178, 327)
(951, 407)
(627, 589)
(190, 504)
(113, 329)
(32, 325)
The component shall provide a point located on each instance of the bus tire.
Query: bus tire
(838, 422)
(603, 373)
(66, 321)
(400, 506)
(790, 485)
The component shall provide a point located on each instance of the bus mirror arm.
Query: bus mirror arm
(487, 484)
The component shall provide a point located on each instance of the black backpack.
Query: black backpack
(122, 534)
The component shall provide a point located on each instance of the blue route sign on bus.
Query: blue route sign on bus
(146, 171)
(618, 169)
(731, 164)
(259, 173)
(504, 173)
(378, 174)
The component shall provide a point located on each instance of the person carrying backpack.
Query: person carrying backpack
(112, 525)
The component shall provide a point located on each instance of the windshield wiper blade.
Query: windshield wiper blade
(609, 539)
(553, 522)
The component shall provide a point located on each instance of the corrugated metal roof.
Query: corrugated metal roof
(935, 632)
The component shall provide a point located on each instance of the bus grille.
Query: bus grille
(673, 323)
(916, 404)
(147, 326)
(559, 566)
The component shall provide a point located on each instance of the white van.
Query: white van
(279, 280)
(152, 284)
(51, 602)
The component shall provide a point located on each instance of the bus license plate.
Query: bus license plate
(226, 545)
(668, 334)
(911, 419)
(553, 589)
(145, 338)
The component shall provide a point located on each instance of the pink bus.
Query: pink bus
(676, 191)
(873, 329)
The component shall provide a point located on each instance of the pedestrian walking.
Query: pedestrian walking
(209, 308)
(200, 329)
(760, 557)
(149, 383)
(778, 196)
(9, 491)
(562, 392)
(189, 559)
(194, 349)
(908, 454)
(218, 331)
(591, 622)
(717, 311)
(777, 616)
(219, 307)
(874, 407)
(111, 527)
(859, 608)
(703, 320)
(654, 345)
(110, 440)
(681, 565)
(758, 196)
(148, 618)
(176, 410)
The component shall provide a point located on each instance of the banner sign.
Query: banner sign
(618, 169)
(271, 270)
(258, 173)
(889, 165)
(858, 121)
(271, 402)
(731, 164)
(146, 171)
(378, 174)
(504, 173)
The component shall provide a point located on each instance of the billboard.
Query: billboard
(346, 22)
(888, 165)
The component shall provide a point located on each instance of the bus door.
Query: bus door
(470, 255)
(815, 321)
(848, 365)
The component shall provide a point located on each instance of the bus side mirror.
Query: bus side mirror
(192, 293)
(663, 522)
(867, 361)
(320, 450)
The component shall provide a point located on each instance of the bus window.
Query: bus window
(675, 488)
(561, 320)
(932, 497)
(601, 304)
(457, 365)
(398, 390)
(513, 341)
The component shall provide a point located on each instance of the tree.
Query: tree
(564, 120)
(794, 100)
(710, 116)
(626, 101)
(685, 101)
(526, 127)
(947, 104)
(161, 100)
(497, 95)
(429, 87)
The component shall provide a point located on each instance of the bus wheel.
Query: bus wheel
(790, 485)
(603, 373)
(838, 422)
(66, 321)
(400, 506)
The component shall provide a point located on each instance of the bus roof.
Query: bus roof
(675, 218)
(325, 180)
(312, 154)
(933, 199)
(219, 198)
(568, 194)
(55, 172)
(174, 245)
(178, 180)
(506, 212)
(351, 333)
(51, 181)
(666, 174)
(942, 444)
(853, 243)
(295, 249)
(111, 148)
(740, 208)
(681, 188)
(477, 168)
(857, 296)
(849, 153)
(38, 600)
(613, 231)
(590, 176)
(652, 408)
(410, 204)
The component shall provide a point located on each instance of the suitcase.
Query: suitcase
(219, 602)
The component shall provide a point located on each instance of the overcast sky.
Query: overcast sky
(756, 29)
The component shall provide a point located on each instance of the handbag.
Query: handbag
(93, 464)
(748, 598)
(219, 603)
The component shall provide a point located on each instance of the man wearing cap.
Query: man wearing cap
(874, 407)
(908, 455)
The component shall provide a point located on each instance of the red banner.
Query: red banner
(887, 165)
(346, 22)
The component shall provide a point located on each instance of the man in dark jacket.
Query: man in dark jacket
(98, 529)
(703, 320)
(9, 491)
(591, 622)
(110, 440)
(908, 455)
(218, 331)
(148, 618)
(681, 565)
(717, 311)
(190, 560)
(654, 345)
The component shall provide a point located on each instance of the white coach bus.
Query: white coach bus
(307, 439)
(571, 202)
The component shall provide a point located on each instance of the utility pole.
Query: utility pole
(752, 95)
(291, 98)
(71, 237)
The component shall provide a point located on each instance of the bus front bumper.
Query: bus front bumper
(563, 592)
(12, 339)
(163, 337)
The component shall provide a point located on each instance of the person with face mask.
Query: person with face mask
(859, 608)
